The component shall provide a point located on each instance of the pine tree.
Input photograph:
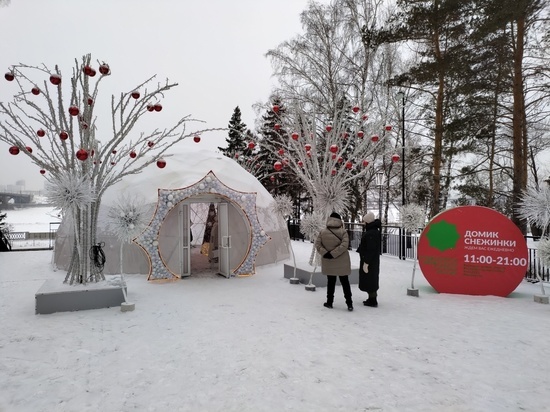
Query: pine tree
(236, 144)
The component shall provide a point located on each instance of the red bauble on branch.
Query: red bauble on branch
(161, 163)
(87, 70)
(365, 117)
(29, 149)
(9, 76)
(355, 109)
(82, 154)
(157, 107)
(333, 148)
(281, 152)
(42, 172)
(349, 165)
(388, 128)
(307, 146)
(277, 166)
(251, 145)
(375, 138)
(14, 150)
(276, 108)
(334, 156)
(333, 172)
(365, 163)
(295, 136)
(35, 90)
(277, 126)
(104, 69)
(133, 154)
(196, 139)
(63, 135)
(135, 94)
(360, 134)
(150, 108)
(395, 158)
(150, 143)
(300, 163)
(74, 111)
(41, 133)
(328, 127)
(90, 101)
(55, 79)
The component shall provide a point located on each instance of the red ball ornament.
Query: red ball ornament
(355, 109)
(388, 128)
(272, 178)
(333, 173)
(333, 148)
(87, 70)
(150, 143)
(334, 156)
(375, 138)
(365, 117)
(340, 159)
(277, 166)
(133, 154)
(157, 107)
(84, 125)
(360, 134)
(285, 161)
(277, 126)
(104, 69)
(90, 101)
(14, 150)
(295, 136)
(308, 153)
(365, 163)
(40, 133)
(236, 155)
(112, 163)
(281, 152)
(55, 79)
(349, 165)
(328, 127)
(63, 135)
(35, 90)
(29, 149)
(197, 139)
(42, 172)
(161, 163)
(307, 146)
(251, 145)
(395, 158)
(113, 151)
(150, 108)
(9, 76)
(92, 73)
(300, 163)
(135, 94)
(82, 154)
(276, 108)
(74, 111)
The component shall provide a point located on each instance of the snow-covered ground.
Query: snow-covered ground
(262, 344)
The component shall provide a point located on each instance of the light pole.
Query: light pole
(401, 98)
(380, 185)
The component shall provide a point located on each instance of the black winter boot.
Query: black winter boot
(327, 305)
(371, 301)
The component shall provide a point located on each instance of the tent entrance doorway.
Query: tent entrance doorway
(204, 238)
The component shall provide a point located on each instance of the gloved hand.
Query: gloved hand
(328, 256)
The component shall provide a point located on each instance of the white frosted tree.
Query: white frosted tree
(413, 220)
(59, 134)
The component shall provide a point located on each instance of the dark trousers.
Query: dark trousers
(331, 286)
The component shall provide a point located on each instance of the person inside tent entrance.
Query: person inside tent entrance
(213, 249)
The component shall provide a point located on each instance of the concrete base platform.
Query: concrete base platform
(319, 280)
(541, 299)
(55, 296)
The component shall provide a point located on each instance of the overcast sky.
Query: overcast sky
(214, 49)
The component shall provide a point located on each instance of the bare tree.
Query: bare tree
(59, 135)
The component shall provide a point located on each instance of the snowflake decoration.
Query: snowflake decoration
(283, 205)
(544, 251)
(128, 218)
(70, 192)
(330, 197)
(413, 217)
(311, 225)
(535, 206)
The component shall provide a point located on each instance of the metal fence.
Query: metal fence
(391, 240)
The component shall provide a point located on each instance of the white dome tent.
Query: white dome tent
(250, 233)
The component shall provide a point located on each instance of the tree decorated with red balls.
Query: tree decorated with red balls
(326, 153)
(52, 120)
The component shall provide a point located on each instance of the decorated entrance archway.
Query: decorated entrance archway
(148, 240)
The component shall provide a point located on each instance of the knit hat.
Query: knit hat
(336, 215)
(368, 218)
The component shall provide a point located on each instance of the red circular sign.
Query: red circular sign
(473, 250)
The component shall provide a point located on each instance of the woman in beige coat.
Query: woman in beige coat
(332, 244)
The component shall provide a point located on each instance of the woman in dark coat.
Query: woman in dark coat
(369, 251)
(332, 244)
